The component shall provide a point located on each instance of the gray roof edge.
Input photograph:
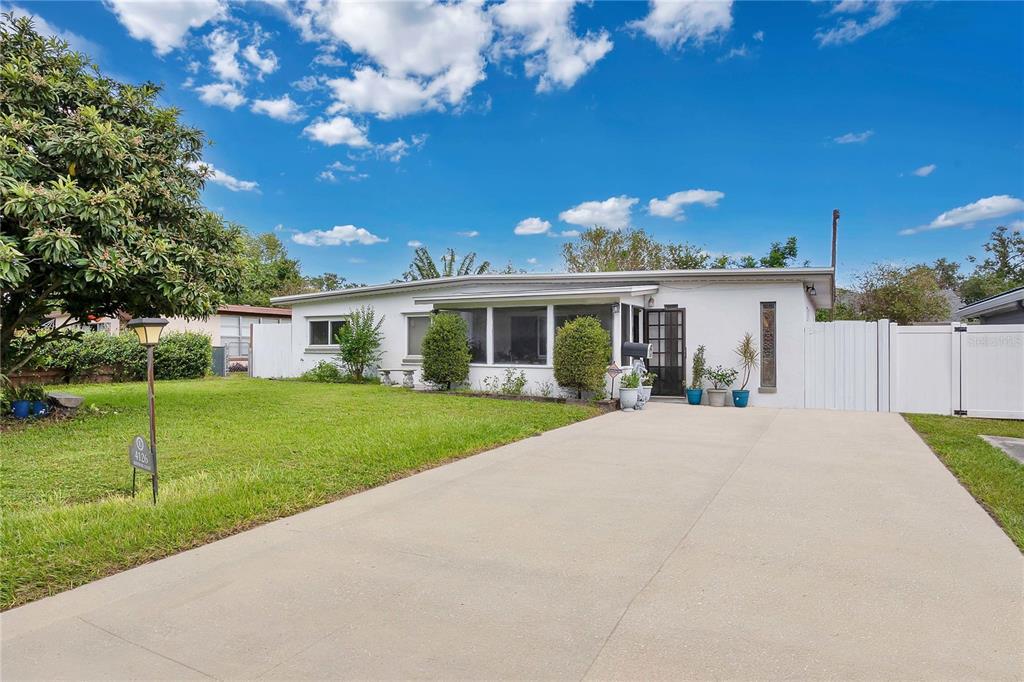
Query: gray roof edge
(630, 275)
(993, 302)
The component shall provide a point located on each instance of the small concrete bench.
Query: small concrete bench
(408, 377)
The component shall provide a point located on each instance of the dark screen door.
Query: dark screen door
(666, 332)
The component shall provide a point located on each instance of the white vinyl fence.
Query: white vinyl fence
(972, 370)
(270, 351)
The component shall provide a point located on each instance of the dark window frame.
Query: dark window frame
(333, 325)
(509, 355)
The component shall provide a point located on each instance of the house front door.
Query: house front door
(666, 332)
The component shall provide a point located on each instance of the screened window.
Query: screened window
(521, 335)
(234, 334)
(324, 332)
(476, 325)
(416, 329)
(567, 313)
(768, 368)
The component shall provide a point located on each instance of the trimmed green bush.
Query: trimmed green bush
(325, 372)
(183, 355)
(446, 351)
(582, 352)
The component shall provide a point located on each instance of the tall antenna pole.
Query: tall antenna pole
(835, 230)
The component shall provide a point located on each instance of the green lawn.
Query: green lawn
(233, 453)
(995, 480)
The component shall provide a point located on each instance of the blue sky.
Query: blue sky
(356, 130)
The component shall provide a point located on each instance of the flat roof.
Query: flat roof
(648, 276)
(1007, 299)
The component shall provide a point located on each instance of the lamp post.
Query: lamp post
(148, 330)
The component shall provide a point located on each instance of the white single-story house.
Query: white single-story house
(512, 321)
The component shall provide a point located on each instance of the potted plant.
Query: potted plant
(36, 396)
(748, 361)
(20, 404)
(696, 390)
(629, 387)
(721, 378)
(647, 385)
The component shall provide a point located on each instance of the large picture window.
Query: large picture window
(521, 335)
(567, 313)
(769, 371)
(476, 325)
(324, 332)
(416, 329)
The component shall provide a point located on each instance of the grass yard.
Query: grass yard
(233, 453)
(995, 479)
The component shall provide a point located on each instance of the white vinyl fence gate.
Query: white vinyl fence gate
(972, 370)
(270, 350)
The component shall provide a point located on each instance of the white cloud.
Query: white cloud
(395, 151)
(224, 56)
(337, 130)
(544, 31)
(469, 234)
(339, 234)
(854, 138)
(165, 24)
(674, 23)
(414, 243)
(735, 52)
(221, 178)
(925, 171)
(1016, 226)
(849, 30)
(43, 27)
(613, 213)
(222, 95)
(326, 56)
(309, 83)
(531, 261)
(672, 205)
(265, 63)
(566, 233)
(428, 55)
(282, 109)
(983, 209)
(759, 36)
(532, 226)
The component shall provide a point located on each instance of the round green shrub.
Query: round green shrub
(183, 355)
(582, 352)
(446, 351)
(325, 372)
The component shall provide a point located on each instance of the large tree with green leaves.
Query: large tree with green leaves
(1002, 267)
(268, 271)
(100, 198)
(423, 265)
(901, 294)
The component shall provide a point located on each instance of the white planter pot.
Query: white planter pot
(716, 397)
(645, 391)
(627, 398)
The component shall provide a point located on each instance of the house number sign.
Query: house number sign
(142, 458)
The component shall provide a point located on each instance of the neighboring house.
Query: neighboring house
(1004, 308)
(228, 328)
(512, 321)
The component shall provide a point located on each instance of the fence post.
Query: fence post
(955, 376)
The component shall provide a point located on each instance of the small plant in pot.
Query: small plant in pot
(21, 402)
(721, 378)
(748, 361)
(36, 396)
(647, 385)
(696, 390)
(629, 387)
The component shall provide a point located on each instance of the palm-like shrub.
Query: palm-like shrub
(446, 351)
(359, 341)
(582, 351)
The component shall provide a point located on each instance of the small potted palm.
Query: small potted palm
(696, 390)
(629, 387)
(748, 361)
(721, 379)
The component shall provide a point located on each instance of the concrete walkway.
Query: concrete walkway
(675, 543)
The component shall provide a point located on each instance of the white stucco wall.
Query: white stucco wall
(717, 315)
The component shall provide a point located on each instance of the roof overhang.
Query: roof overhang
(1004, 302)
(819, 278)
(596, 294)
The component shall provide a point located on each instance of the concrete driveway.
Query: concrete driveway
(675, 543)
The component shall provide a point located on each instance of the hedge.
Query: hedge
(179, 355)
(446, 351)
(582, 351)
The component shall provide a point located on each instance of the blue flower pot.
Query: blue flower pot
(740, 398)
(21, 408)
(39, 408)
(693, 395)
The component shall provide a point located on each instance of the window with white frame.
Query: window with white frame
(325, 332)
(521, 335)
(416, 329)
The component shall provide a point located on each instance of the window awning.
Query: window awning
(598, 294)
